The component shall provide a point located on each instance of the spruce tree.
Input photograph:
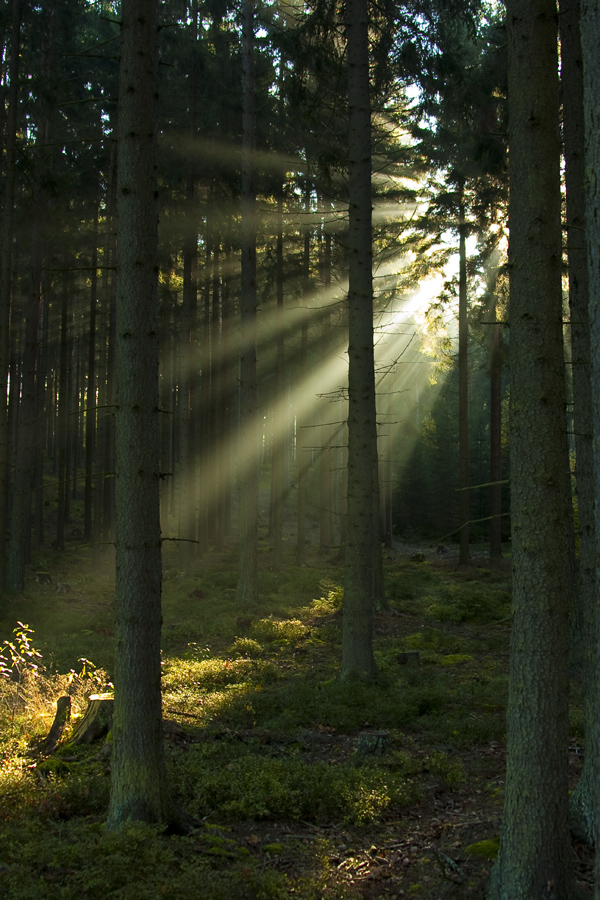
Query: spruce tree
(535, 858)
(138, 784)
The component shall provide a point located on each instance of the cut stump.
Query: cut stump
(409, 658)
(372, 742)
(62, 717)
(97, 721)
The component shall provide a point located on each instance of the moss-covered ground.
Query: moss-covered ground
(301, 785)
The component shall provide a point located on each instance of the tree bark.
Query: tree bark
(138, 787)
(97, 721)
(279, 431)
(229, 376)
(217, 459)
(90, 413)
(61, 720)
(108, 461)
(326, 518)
(6, 276)
(535, 857)
(583, 615)
(249, 455)
(495, 432)
(363, 502)
(302, 452)
(63, 413)
(590, 36)
(206, 442)
(187, 505)
(464, 558)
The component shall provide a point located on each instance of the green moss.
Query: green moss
(486, 849)
(468, 602)
(247, 647)
(53, 766)
(273, 849)
(281, 630)
(455, 659)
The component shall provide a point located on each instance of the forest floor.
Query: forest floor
(300, 784)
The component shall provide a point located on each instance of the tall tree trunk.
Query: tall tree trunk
(166, 404)
(205, 400)
(302, 455)
(41, 417)
(187, 491)
(463, 387)
(342, 488)
(249, 452)
(90, 413)
(219, 467)
(6, 276)
(13, 406)
(535, 857)
(108, 510)
(363, 502)
(104, 462)
(99, 473)
(495, 427)
(277, 468)
(326, 527)
(63, 414)
(581, 803)
(386, 484)
(590, 38)
(326, 521)
(229, 376)
(138, 784)
(78, 391)
(187, 510)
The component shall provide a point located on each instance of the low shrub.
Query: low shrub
(254, 787)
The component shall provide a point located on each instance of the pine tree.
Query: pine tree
(6, 275)
(583, 611)
(138, 785)
(590, 35)
(363, 486)
(249, 458)
(535, 857)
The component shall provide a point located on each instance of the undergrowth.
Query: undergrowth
(264, 744)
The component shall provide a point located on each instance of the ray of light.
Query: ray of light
(402, 375)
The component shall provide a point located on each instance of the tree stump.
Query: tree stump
(372, 742)
(62, 717)
(97, 721)
(409, 658)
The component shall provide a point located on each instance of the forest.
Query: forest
(300, 344)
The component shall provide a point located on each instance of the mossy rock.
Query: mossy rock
(486, 849)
